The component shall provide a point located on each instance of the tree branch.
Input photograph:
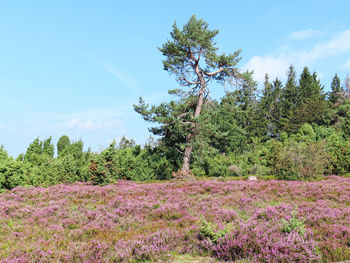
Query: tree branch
(191, 56)
(190, 82)
(213, 73)
(181, 152)
(191, 91)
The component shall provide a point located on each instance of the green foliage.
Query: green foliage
(131, 163)
(290, 132)
(289, 99)
(125, 143)
(293, 224)
(269, 109)
(34, 152)
(219, 166)
(339, 151)
(13, 173)
(300, 157)
(62, 143)
(252, 162)
(44, 170)
(209, 231)
(191, 55)
(48, 147)
(309, 88)
(176, 119)
(306, 134)
(337, 92)
(226, 134)
(191, 43)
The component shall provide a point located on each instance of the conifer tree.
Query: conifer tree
(309, 88)
(270, 108)
(290, 92)
(191, 55)
(336, 90)
(34, 149)
(289, 99)
(62, 143)
(48, 147)
(311, 102)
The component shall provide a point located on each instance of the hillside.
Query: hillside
(265, 221)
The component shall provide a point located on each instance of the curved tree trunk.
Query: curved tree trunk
(185, 170)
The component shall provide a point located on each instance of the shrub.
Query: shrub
(128, 163)
(301, 161)
(294, 224)
(299, 157)
(209, 231)
(13, 173)
(339, 152)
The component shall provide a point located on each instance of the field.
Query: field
(200, 221)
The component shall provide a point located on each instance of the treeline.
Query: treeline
(292, 131)
(39, 167)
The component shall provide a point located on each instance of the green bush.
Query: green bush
(131, 163)
(209, 231)
(294, 224)
(217, 166)
(301, 161)
(339, 152)
(300, 157)
(13, 173)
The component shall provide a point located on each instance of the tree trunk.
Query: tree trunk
(185, 170)
(187, 157)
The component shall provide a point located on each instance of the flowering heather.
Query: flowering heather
(255, 221)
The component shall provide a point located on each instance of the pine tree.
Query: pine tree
(336, 90)
(191, 56)
(309, 88)
(290, 93)
(289, 99)
(311, 103)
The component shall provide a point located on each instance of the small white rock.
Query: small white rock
(253, 178)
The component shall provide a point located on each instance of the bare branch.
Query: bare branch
(191, 91)
(200, 54)
(190, 82)
(214, 73)
(181, 152)
(188, 122)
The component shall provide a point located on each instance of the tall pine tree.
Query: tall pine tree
(289, 100)
(191, 55)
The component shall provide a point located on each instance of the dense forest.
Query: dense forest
(293, 130)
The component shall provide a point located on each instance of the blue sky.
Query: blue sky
(76, 67)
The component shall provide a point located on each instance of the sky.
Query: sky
(77, 67)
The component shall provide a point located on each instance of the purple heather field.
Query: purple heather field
(234, 221)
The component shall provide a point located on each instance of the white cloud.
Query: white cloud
(99, 120)
(277, 64)
(88, 125)
(274, 66)
(126, 78)
(303, 34)
(336, 46)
